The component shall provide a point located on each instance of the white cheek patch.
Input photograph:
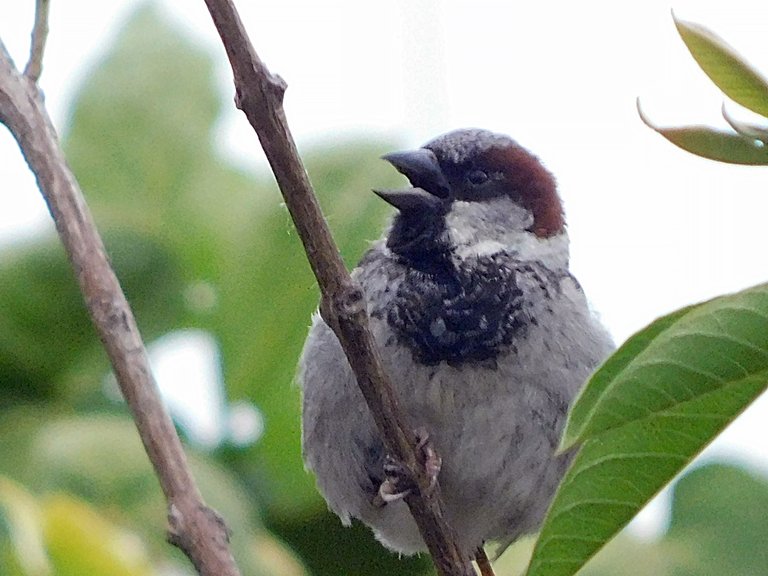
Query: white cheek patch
(477, 229)
(461, 223)
(482, 228)
(480, 248)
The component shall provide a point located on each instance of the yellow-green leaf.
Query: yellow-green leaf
(725, 67)
(707, 142)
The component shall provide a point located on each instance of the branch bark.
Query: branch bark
(193, 527)
(259, 94)
(34, 66)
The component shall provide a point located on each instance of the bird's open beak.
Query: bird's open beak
(423, 170)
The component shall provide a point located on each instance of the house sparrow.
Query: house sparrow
(485, 334)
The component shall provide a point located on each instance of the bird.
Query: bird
(485, 334)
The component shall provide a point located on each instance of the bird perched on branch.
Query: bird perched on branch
(485, 334)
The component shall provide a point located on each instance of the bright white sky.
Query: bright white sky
(652, 228)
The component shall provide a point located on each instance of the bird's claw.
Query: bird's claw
(432, 460)
(398, 482)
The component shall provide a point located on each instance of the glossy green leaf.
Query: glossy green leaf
(689, 353)
(725, 67)
(729, 147)
(588, 400)
(669, 391)
(615, 474)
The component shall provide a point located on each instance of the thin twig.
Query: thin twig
(194, 527)
(483, 563)
(260, 96)
(39, 36)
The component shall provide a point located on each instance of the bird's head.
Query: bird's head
(474, 193)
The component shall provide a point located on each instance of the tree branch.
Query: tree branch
(193, 527)
(259, 94)
(39, 36)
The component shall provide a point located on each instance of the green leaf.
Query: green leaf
(713, 144)
(725, 67)
(691, 352)
(615, 474)
(746, 129)
(588, 400)
(671, 389)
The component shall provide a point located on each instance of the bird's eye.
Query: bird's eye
(477, 177)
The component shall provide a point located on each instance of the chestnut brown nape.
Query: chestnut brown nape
(533, 184)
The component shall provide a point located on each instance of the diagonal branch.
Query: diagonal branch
(194, 527)
(260, 97)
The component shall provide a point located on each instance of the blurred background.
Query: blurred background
(141, 94)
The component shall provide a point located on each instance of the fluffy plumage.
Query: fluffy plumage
(485, 333)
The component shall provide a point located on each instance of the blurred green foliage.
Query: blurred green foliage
(77, 495)
(177, 218)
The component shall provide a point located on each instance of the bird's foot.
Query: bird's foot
(398, 482)
(432, 460)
